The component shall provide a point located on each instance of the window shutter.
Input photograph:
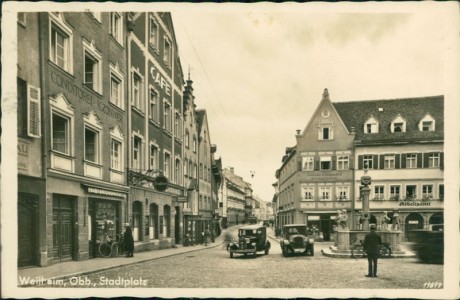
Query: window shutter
(299, 165)
(419, 160)
(441, 161)
(334, 162)
(33, 111)
(316, 163)
(425, 160)
(403, 161)
(375, 162)
(351, 164)
(397, 161)
(360, 162)
(382, 162)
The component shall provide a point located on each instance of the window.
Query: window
(185, 167)
(33, 111)
(342, 193)
(91, 145)
(201, 171)
(395, 192)
(61, 133)
(177, 125)
(195, 171)
(378, 193)
(441, 192)
(177, 170)
(389, 162)
(371, 125)
(411, 192)
(60, 43)
(137, 153)
(167, 165)
(433, 160)
(194, 144)
(427, 123)
(153, 157)
(93, 68)
(154, 108)
(153, 37)
(411, 160)
(342, 163)
(325, 162)
(167, 116)
(136, 100)
(187, 139)
(325, 193)
(398, 124)
(116, 86)
(167, 52)
(308, 163)
(116, 26)
(115, 155)
(368, 161)
(325, 133)
(427, 192)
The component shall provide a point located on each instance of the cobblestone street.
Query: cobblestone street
(213, 268)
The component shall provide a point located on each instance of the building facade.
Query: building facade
(399, 143)
(232, 198)
(72, 181)
(156, 131)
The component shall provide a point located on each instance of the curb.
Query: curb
(88, 272)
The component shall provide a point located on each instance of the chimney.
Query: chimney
(298, 131)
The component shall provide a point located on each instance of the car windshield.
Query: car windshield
(296, 230)
(247, 232)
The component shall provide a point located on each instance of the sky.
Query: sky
(260, 71)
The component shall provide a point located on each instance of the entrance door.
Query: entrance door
(27, 229)
(153, 221)
(137, 213)
(62, 227)
(177, 226)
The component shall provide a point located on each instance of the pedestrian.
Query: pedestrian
(371, 245)
(129, 241)
(207, 236)
(202, 237)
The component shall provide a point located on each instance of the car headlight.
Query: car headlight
(311, 241)
(253, 244)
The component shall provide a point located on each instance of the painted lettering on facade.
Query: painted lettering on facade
(82, 95)
(415, 203)
(160, 80)
(23, 156)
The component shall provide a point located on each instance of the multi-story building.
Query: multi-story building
(399, 143)
(155, 111)
(232, 198)
(72, 134)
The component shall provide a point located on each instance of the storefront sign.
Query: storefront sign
(415, 203)
(181, 199)
(328, 176)
(84, 96)
(98, 191)
(313, 218)
(413, 221)
(161, 81)
(23, 156)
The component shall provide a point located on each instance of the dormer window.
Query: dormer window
(398, 124)
(371, 125)
(427, 123)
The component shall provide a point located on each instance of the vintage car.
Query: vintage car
(296, 239)
(251, 239)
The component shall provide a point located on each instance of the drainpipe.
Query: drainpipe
(44, 107)
(128, 109)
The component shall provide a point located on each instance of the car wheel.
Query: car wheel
(312, 250)
(285, 252)
(267, 250)
(231, 254)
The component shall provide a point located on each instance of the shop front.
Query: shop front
(322, 224)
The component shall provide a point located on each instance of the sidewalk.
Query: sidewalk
(66, 270)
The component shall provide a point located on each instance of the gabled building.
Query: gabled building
(233, 194)
(156, 131)
(401, 144)
(398, 142)
(72, 134)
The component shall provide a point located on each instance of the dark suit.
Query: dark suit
(371, 245)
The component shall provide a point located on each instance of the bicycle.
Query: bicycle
(109, 247)
(357, 250)
(118, 247)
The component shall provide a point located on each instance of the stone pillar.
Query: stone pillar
(343, 240)
(365, 191)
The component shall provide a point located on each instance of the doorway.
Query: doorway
(63, 233)
(27, 229)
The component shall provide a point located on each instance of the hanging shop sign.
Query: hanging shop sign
(161, 183)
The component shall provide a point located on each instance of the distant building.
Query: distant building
(399, 141)
(232, 198)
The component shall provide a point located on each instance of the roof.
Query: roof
(256, 226)
(199, 115)
(355, 114)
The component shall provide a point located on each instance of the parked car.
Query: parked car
(296, 239)
(429, 245)
(251, 239)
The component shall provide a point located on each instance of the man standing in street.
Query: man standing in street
(371, 245)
